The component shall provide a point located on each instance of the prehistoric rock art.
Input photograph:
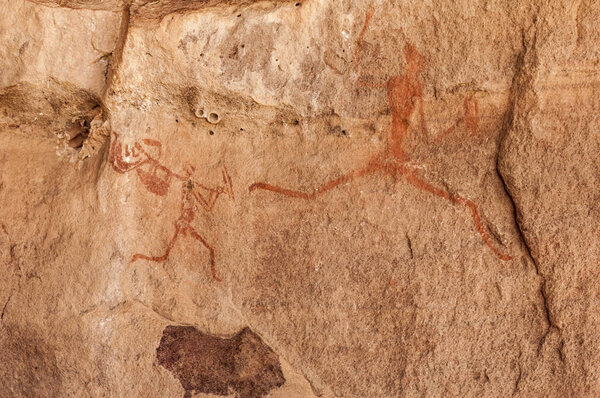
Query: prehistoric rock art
(208, 364)
(394, 160)
(157, 180)
(403, 93)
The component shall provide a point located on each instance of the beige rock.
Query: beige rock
(67, 45)
(298, 199)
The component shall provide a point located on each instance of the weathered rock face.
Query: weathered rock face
(298, 199)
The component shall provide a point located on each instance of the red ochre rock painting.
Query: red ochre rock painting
(404, 93)
(202, 363)
(143, 157)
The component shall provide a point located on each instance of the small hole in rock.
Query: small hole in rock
(343, 132)
(176, 120)
(77, 142)
(213, 117)
(211, 132)
(241, 129)
(77, 132)
(297, 4)
(239, 15)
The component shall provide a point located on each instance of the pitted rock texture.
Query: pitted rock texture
(399, 198)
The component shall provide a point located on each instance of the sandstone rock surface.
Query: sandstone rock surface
(298, 199)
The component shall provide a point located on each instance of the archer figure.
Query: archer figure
(404, 93)
(144, 159)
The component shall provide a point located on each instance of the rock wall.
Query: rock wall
(299, 199)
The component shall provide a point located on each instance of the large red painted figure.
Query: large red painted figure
(405, 94)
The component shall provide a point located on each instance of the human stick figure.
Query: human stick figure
(404, 94)
(157, 179)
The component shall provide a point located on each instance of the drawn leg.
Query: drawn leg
(211, 252)
(328, 186)
(485, 236)
(158, 259)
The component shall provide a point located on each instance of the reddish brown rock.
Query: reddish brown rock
(399, 198)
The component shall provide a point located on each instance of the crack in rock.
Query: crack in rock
(520, 88)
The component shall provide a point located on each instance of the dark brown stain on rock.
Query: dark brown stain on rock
(243, 364)
(28, 364)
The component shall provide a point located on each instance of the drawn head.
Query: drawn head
(124, 157)
(414, 60)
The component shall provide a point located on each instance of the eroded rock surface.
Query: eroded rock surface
(399, 198)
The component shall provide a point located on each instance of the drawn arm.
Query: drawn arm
(227, 184)
(470, 118)
(208, 201)
(168, 173)
(361, 36)
(357, 55)
(448, 131)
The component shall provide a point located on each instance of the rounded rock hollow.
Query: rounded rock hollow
(211, 117)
